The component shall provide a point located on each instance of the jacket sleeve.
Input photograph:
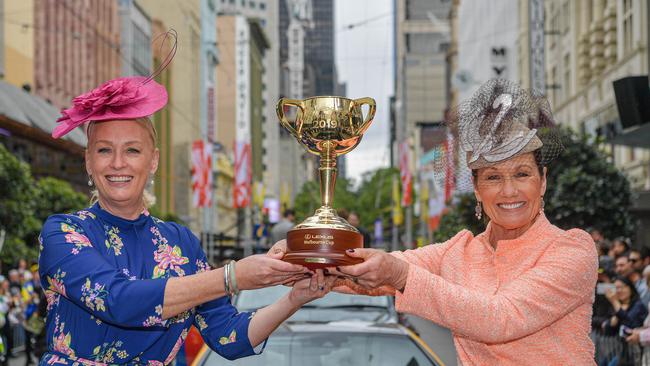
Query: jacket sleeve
(223, 328)
(562, 280)
(430, 256)
(72, 266)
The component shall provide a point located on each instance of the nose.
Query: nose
(508, 188)
(118, 161)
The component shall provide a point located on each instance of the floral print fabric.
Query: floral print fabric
(104, 279)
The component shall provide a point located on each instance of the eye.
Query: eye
(493, 177)
(522, 175)
(104, 150)
(133, 150)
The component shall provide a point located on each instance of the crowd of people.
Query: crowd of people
(620, 322)
(23, 309)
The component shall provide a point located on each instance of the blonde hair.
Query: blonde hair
(148, 198)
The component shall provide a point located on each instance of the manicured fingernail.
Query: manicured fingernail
(350, 250)
(338, 269)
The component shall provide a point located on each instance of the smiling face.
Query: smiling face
(510, 191)
(623, 291)
(120, 158)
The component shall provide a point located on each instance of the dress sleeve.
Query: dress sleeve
(223, 328)
(71, 266)
(562, 280)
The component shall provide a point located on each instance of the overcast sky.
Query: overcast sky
(364, 58)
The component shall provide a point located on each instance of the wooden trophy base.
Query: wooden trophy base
(322, 247)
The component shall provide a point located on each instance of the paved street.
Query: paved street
(437, 337)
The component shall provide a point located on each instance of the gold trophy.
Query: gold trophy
(327, 127)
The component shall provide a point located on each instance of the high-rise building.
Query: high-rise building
(240, 94)
(76, 47)
(184, 110)
(266, 13)
(2, 40)
(486, 45)
(422, 40)
(307, 56)
(589, 45)
(320, 73)
(135, 39)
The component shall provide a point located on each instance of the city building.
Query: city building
(75, 47)
(307, 55)
(52, 52)
(135, 39)
(422, 38)
(266, 13)
(26, 124)
(184, 109)
(2, 40)
(589, 45)
(240, 71)
(486, 44)
(422, 41)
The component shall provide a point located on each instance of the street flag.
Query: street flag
(405, 173)
(450, 171)
(242, 186)
(285, 196)
(424, 200)
(436, 207)
(258, 194)
(201, 174)
(398, 217)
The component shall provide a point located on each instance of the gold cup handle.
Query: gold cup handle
(371, 112)
(283, 120)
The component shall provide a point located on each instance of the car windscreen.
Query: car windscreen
(326, 348)
(256, 299)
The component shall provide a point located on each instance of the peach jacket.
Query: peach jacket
(529, 302)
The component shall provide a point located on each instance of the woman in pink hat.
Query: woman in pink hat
(519, 293)
(124, 287)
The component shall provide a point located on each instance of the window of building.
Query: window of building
(419, 9)
(262, 6)
(422, 43)
(252, 4)
(565, 18)
(628, 35)
(141, 51)
(554, 82)
(567, 77)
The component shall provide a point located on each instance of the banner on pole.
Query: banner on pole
(243, 174)
(201, 174)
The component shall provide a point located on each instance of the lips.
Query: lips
(511, 205)
(119, 178)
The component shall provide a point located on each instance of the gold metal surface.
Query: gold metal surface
(327, 126)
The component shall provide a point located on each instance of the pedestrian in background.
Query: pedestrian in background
(279, 230)
(355, 220)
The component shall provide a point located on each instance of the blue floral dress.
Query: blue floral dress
(104, 278)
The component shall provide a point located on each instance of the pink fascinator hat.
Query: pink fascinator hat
(124, 98)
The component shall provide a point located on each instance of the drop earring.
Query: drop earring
(541, 205)
(478, 210)
(90, 181)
